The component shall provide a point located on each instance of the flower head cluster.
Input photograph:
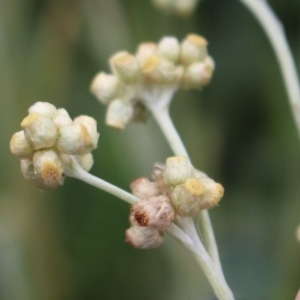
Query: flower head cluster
(181, 8)
(177, 189)
(148, 79)
(48, 138)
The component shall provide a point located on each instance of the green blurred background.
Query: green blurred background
(69, 244)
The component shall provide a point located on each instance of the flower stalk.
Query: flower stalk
(75, 170)
(275, 33)
(171, 134)
(193, 243)
(210, 264)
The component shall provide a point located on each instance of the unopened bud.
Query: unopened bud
(73, 139)
(178, 170)
(193, 49)
(143, 237)
(50, 168)
(43, 108)
(61, 118)
(144, 51)
(105, 87)
(119, 114)
(31, 174)
(169, 48)
(86, 161)
(197, 75)
(186, 197)
(157, 70)
(143, 188)
(40, 131)
(19, 145)
(155, 212)
(126, 66)
(91, 126)
(213, 193)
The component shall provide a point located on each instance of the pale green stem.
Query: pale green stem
(209, 238)
(211, 271)
(77, 172)
(210, 264)
(164, 120)
(275, 33)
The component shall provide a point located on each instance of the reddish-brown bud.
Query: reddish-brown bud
(143, 237)
(155, 212)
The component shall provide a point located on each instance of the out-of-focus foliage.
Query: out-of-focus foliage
(69, 244)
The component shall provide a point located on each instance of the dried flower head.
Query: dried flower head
(156, 212)
(143, 237)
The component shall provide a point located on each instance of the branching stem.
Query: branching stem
(210, 263)
(77, 172)
(167, 126)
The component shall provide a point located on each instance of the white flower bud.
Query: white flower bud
(31, 174)
(91, 126)
(43, 108)
(178, 170)
(193, 49)
(61, 118)
(40, 131)
(156, 212)
(49, 167)
(158, 177)
(169, 48)
(213, 193)
(143, 237)
(184, 7)
(143, 188)
(161, 71)
(195, 195)
(186, 197)
(197, 75)
(144, 51)
(119, 114)
(73, 139)
(86, 161)
(125, 66)
(19, 145)
(105, 87)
